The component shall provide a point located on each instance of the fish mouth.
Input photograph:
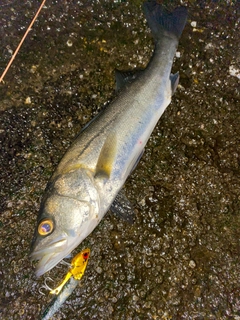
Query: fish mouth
(49, 256)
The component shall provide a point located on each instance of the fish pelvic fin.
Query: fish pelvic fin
(163, 22)
(123, 208)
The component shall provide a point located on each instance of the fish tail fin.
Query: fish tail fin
(164, 22)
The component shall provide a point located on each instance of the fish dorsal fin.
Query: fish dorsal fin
(124, 77)
(107, 157)
(174, 78)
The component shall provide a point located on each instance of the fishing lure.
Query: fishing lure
(78, 266)
(69, 283)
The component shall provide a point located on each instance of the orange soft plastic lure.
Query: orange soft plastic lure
(78, 266)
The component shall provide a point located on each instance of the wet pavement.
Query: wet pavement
(180, 259)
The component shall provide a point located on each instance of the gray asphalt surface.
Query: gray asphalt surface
(180, 259)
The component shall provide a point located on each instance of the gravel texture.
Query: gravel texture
(180, 259)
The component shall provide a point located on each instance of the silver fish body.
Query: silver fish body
(96, 166)
(59, 300)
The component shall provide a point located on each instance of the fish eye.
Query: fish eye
(45, 227)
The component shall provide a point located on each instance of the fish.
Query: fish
(93, 171)
(67, 286)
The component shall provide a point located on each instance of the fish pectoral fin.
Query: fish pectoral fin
(106, 157)
(124, 77)
(174, 78)
(123, 208)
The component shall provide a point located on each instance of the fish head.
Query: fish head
(66, 217)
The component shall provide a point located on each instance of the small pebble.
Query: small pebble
(192, 264)
(194, 24)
